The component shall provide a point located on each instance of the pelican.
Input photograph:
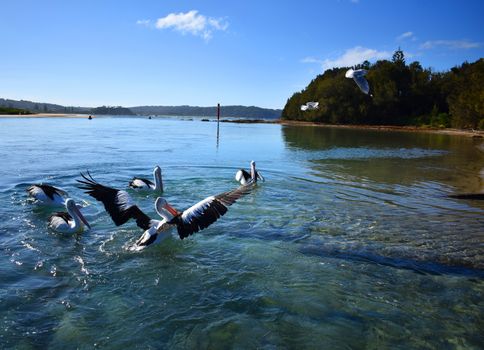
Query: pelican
(141, 183)
(47, 195)
(310, 106)
(359, 78)
(71, 222)
(244, 177)
(120, 207)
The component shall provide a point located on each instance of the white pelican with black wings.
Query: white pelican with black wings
(145, 184)
(71, 222)
(47, 194)
(244, 177)
(198, 217)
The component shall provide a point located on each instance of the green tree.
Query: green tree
(398, 57)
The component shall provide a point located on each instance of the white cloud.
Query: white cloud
(190, 22)
(450, 44)
(350, 57)
(311, 60)
(144, 22)
(406, 35)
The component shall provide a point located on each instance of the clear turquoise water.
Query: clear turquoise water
(350, 243)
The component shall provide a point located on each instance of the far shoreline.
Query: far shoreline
(45, 115)
(408, 128)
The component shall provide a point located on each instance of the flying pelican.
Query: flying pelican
(71, 222)
(120, 207)
(145, 184)
(310, 106)
(244, 177)
(47, 195)
(359, 78)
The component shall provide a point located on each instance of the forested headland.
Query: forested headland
(8, 110)
(107, 110)
(402, 94)
(248, 112)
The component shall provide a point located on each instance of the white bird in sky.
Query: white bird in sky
(310, 106)
(359, 78)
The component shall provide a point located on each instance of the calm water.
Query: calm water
(350, 243)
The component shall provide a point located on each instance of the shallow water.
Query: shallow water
(350, 243)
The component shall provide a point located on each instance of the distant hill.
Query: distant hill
(104, 110)
(40, 107)
(6, 110)
(250, 112)
(247, 112)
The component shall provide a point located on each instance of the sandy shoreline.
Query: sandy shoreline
(448, 131)
(44, 115)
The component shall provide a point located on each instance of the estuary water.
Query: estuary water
(350, 243)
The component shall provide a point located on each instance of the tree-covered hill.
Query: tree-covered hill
(107, 110)
(41, 107)
(7, 110)
(402, 95)
(249, 112)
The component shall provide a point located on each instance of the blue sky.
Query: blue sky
(91, 53)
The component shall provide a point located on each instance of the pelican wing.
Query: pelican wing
(146, 239)
(139, 182)
(359, 78)
(207, 211)
(117, 203)
(362, 83)
(59, 218)
(313, 105)
(242, 176)
(48, 190)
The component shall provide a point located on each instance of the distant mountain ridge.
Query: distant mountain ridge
(235, 111)
(250, 112)
(41, 107)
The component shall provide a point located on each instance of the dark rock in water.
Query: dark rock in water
(205, 120)
(248, 121)
(474, 196)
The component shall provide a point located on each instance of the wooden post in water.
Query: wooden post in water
(218, 122)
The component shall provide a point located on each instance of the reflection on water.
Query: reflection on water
(391, 157)
(351, 242)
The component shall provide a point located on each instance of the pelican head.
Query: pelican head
(253, 174)
(74, 211)
(158, 178)
(165, 210)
